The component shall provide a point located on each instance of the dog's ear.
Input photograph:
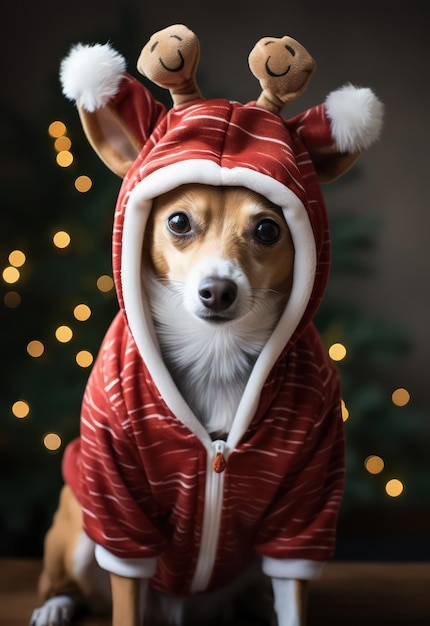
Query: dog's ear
(117, 112)
(336, 132)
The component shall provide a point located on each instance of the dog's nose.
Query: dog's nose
(217, 293)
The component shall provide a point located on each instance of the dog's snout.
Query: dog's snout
(217, 294)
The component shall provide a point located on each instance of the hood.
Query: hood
(217, 142)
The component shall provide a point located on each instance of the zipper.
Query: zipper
(214, 492)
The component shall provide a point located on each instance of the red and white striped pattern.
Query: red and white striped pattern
(140, 473)
(138, 469)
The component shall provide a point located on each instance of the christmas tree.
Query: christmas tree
(387, 474)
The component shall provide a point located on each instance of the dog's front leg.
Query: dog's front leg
(290, 598)
(128, 600)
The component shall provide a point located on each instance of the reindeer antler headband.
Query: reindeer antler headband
(119, 114)
(282, 66)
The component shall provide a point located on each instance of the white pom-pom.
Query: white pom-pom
(91, 75)
(356, 116)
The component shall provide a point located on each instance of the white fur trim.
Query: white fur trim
(137, 308)
(296, 569)
(129, 568)
(356, 116)
(91, 75)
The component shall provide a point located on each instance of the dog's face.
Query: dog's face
(226, 246)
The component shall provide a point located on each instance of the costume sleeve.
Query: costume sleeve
(119, 514)
(298, 533)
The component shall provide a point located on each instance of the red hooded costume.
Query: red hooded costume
(154, 501)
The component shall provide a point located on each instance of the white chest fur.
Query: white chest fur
(210, 362)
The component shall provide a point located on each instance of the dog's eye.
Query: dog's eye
(267, 232)
(179, 224)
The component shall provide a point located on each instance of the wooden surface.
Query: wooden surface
(351, 594)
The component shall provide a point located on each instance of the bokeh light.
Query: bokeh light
(337, 352)
(84, 358)
(12, 299)
(20, 409)
(64, 158)
(374, 464)
(105, 283)
(35, 348)
(57, 129)
(52, 442)
(345, 412)
(62, 144)
(83, 184)
(82, 312)
(63, 334)
(11, 275)
(394, 488)
(61, 239)
(400, 397)
(17, 258)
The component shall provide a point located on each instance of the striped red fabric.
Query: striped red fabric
(140, 473)
(137, 469)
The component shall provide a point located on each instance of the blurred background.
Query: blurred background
(57, 202)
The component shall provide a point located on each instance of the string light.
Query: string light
(394, 487)
(84, 358)
(83, 184)
(20, 409)
(64, 334)
(62, 144)
(345, 412)
(61, 239)
(82, 312)
(17, 258)
(52, 442)
(11, 275)
(374, 464)
(105, 283)
(337, 352)
(400, 397)
(64, 158)
(12, 299)
(35, 348)
(57, 129)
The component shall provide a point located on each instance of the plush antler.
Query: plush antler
(283, 67)
(170, 60)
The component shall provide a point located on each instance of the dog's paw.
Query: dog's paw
(56, 611)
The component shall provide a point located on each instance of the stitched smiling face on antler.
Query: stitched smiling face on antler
(170, 60)
(283, 67)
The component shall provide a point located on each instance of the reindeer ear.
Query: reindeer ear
(117, 112)
(336, 132)
(330, 165)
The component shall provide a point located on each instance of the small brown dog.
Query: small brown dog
(211, 430)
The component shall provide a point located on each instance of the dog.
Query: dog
(211, 453)
(221, 264)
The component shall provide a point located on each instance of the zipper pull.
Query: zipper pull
(219, 463)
